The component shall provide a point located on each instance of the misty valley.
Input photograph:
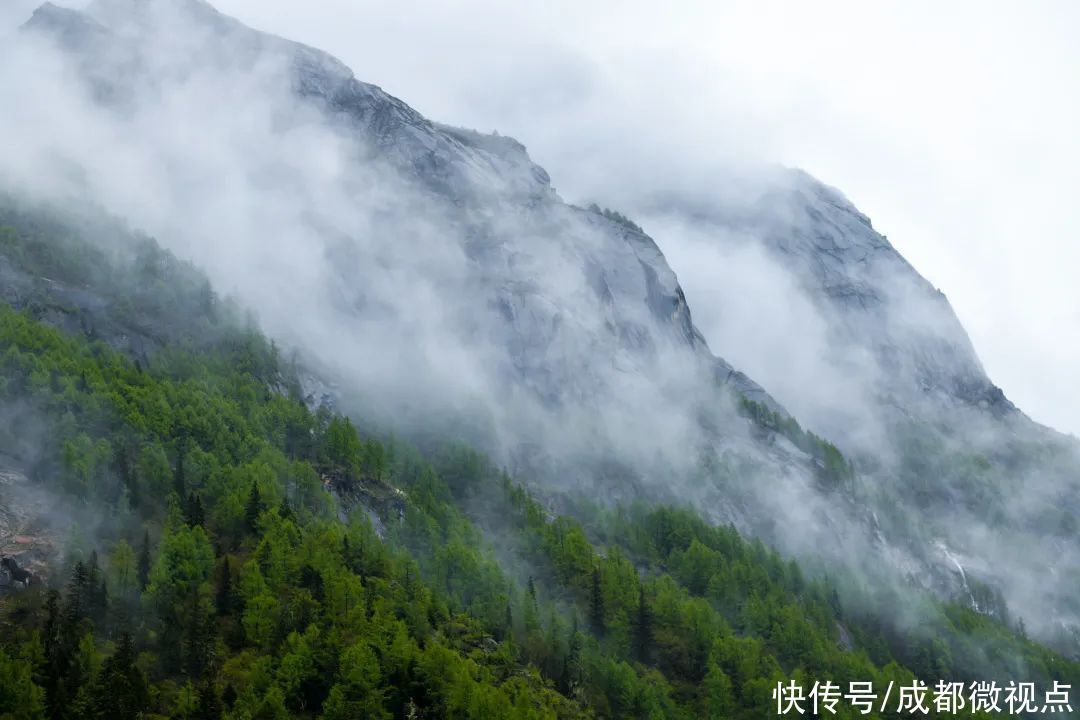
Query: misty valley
(312, 407)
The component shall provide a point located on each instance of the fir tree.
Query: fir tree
(532, 609)
(120, 690)
(179, 478)
(596, 604)
(254, 508)
(285, 512)
(642, 627)
(223, 598)
(193, 512)
(144, 561)
(209, 702)
(508, 623)
(571, 669)
(228, 696)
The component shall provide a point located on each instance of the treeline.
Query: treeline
(616, 217)
(834, 471)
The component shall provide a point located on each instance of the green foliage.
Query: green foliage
(616, 217)
(834, 471)
(255, 601)
(20, 697)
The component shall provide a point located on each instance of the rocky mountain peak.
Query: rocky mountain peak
(73, 28)
(873, 303)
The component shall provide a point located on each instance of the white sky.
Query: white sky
(952, 125)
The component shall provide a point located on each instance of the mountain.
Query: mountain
(899, 386)
(377, 424)
(877, 307)
(436, 280)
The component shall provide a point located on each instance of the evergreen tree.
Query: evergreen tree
(285, 512)
(223, 597)
(144, 560)
(193, 511)
(198, 642)
(75, 600)
(51, 629)
(571, 670)
(179, 478)
(596, 604)
(254, 508)
(508, 623)
(532, 610)
(228, 697)
(120, 691)
(642, 628)
(209, 703)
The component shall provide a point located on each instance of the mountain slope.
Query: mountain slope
(437, 280)
(899, 386)
(875, 303)
(245, 556)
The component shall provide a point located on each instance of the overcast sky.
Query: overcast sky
(952, 125)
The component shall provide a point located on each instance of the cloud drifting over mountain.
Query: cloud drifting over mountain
(949, 126)
(436, 271)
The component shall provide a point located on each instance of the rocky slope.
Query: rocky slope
(943, 454)
(874, 303)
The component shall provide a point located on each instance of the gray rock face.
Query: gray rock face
(874, 302)
(879, 300)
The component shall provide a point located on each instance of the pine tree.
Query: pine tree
(198, 640)
(532, 609)
(179, 478)
(596, 604)
(94, 592)
(65, 676)
(93, 569)
(642, 638)
(74, 609)
(571, 669)
(144, 561)
(285, 512)
(223, 600)
(193, 511)
(120, 690)
(123, 463)
(101, 598)
(51, 630)
(508, 629)
(254, 508)
(209, 703)
(53, 647)
(228, 696)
